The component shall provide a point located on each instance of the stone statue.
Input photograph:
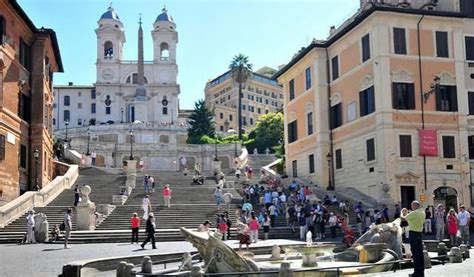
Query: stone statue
(275, 253)
(267, 151)
(255, 151)
(85, 211)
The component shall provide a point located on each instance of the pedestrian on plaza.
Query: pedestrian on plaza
(229, 223)
(146, 186)
(76, 195)
(439, 216)
(151, 181)
(146, 206)
(404, 226)
(427, 227)
(150, 231)
(167, 195)
(237, 173)
(464, 218)
(332, 224)
(30, 227)
(302, 223)
(253, 226)
(135, 224)
(266, 226)
(244, 236)
(94, 157)
(334, 201)
(223, 227)
(67, 221)
(291, 214)
(185, 171)
(250, 172)
(272, 210)
(204, 227)
(453, 229)
(218, 197)
(385, 211)
(416, 219)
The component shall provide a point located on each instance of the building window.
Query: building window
(243, 107)
(108, 50)
(67, 100)
(338, 158)
(230, 117)
(66, 115)
(293, 131)
(259, 111)
(23, 154)
(93, 94)
(107, 110)
(367, 101)
(251, 121)
(79, 122)
(366, 48)
(446, 99)
(2, 147)
(25, 55)
(336, 116)
(24, 110)
(335, 67)
(295, 168)
(470, 95)
(470, 48)
(370, 148)
(448, 147)
(3, 30)
(309, 120)
(93, 108)
(221, 115)
(165, 110)
(405, 146)
(291, 86)
(244, 120)
(79, 94)
(308, 78)
(79, 105)
(266, 111)
(442, 48)
(221, 128)
(403, 96)
(311, 163)
(399, 41)
(54, 121)
(470, 141)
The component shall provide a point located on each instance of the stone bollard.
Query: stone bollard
(442, 249)
(285, 270)
(197, 271)
(455, 255)
(275, 253)
(128, 270)
(147, 266)
(120, 268)
(85, 211)
(427, 259)
(41, 228)
(465, 251)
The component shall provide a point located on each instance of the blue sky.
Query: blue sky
(211, 32)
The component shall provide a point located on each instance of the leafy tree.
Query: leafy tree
(241, 69)
(268, 133)
(202, 123)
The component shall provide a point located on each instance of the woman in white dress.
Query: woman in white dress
(146, 207)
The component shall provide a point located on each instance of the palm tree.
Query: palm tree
(241, 70)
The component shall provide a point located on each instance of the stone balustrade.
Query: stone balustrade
(16, 208)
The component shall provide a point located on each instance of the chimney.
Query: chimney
(70, 83)
(332, 29)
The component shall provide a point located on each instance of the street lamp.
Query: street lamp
(433, 88)
(329, 159)
(131, 144)
(215, 151)
(36, 156)
(88, 153)
(67, 124)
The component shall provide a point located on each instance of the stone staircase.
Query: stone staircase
(104, 184)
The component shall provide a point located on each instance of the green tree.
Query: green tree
(241, 69)
(202, 123)
(268, 133)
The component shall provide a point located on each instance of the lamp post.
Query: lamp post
(329, 159)
(215, 151)
(88, 153)
(67, 124)
(131, 144)
(36, 156)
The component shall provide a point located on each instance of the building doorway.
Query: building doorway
(408, 195)
(447, 196)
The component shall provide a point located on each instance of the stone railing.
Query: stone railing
(73, 156)
(269, 168)
(242, 160)
(16, 208)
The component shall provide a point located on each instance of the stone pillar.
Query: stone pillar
(120, 268)
(464, 250)
(285, 270)
(131, 167)
(147, 265)
(197, 271)
(41, 228)
(455, 255)
(427, 259)
(85, 211)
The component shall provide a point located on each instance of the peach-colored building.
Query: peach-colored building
(355, 108)
(261, 95)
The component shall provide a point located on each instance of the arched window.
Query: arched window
(67, 100)
(66, 115)
(108, 50)
(133, 79)
(164, 51)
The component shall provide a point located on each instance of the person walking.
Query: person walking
(332, 224)
(253, 226)
(272, 210)
(223, 227)
(452, 220)
(416, 219)
(135, 224)
(30, 227)
(151, 181)
(266, 226)
(167, 195)
(464, 218)
(439, 216)
(67, 221)
(146, 206)
(150, 231)
(146, 186)
(244, 237)
(427, 227)
(76, 195)
(237, 173)
(218, 197)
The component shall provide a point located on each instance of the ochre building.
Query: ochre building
(385, 104)
(28, 59)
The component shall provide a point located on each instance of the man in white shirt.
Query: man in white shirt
(272, 212)
(93, 156)
(67, 221)
(464, 217)
(30, 224)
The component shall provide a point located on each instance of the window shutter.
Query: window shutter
(438, 94)
(471, 102)
(399, 40)
(395, 96)
(470, 141)
(411, 96)
(2, 147)
(470, 48)
(453, 98)
(362, 103)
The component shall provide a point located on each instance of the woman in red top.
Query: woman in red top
(135, 222)
(452, 226)
(254, 226)
(167, 195)
(223, 228)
